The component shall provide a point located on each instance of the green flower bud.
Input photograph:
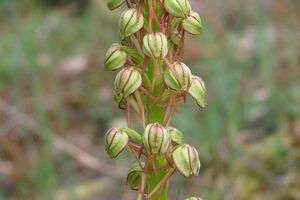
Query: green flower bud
(178, 8)
(129, 23)
(115, 58)
(115, 141)
(192, 23)
(113, 4)
(180, 78)
(175, 135)
(127, 81)
(197, 91)
(155, 45)
(135, 175)
(186, 160)
(175, 38)
(155, 139)
(194, 198)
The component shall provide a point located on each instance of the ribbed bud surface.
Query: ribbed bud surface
(186, 160)
(127, 81)
(155, 45)
(115, 58)
(192, 23)
(113, 4)
(178, 8)
(129, 23)
(175, 135)
(180, 78)
(155, 139)
(115, 141)
(197, 91)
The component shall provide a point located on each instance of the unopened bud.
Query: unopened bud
(155, 139)
(197, 91)
(127, 81)
(178, 8)
(113, 4)
(130, 23)
(192, 23)
(135, 175)
(175, 38)
(116, 140)
(155, 45)
(186, 160)
(175, 135)
(178, 78)
(115, 58)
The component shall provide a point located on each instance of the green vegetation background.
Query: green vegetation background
(56, 102)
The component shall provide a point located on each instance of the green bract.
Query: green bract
(186, 160)
(197, 91)
(175, 135)
(178, 8)
(192, 23)
(116, 140)
(127, 81)
(180, 78)
(155, 45)
(155, 139)
(133, 135)
(135, 175)
(129, 23)
(115, 58)
(113, 4)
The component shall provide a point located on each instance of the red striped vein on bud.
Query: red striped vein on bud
(115, 141)
(178, 8)
(130, 23)
(155, 139)
(113, 4)
(155, 45)
(180, 78)
(127, 81)
(186, 160)
(192, 23)
(115, 57)
(197, 90)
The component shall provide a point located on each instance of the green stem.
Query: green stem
(156, 114)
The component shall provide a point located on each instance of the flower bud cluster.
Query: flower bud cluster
(149, 74)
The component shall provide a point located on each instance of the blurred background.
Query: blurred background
(56, 102)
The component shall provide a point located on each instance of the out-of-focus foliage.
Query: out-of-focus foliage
(53, 84)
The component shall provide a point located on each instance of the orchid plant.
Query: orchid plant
(152, 83)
